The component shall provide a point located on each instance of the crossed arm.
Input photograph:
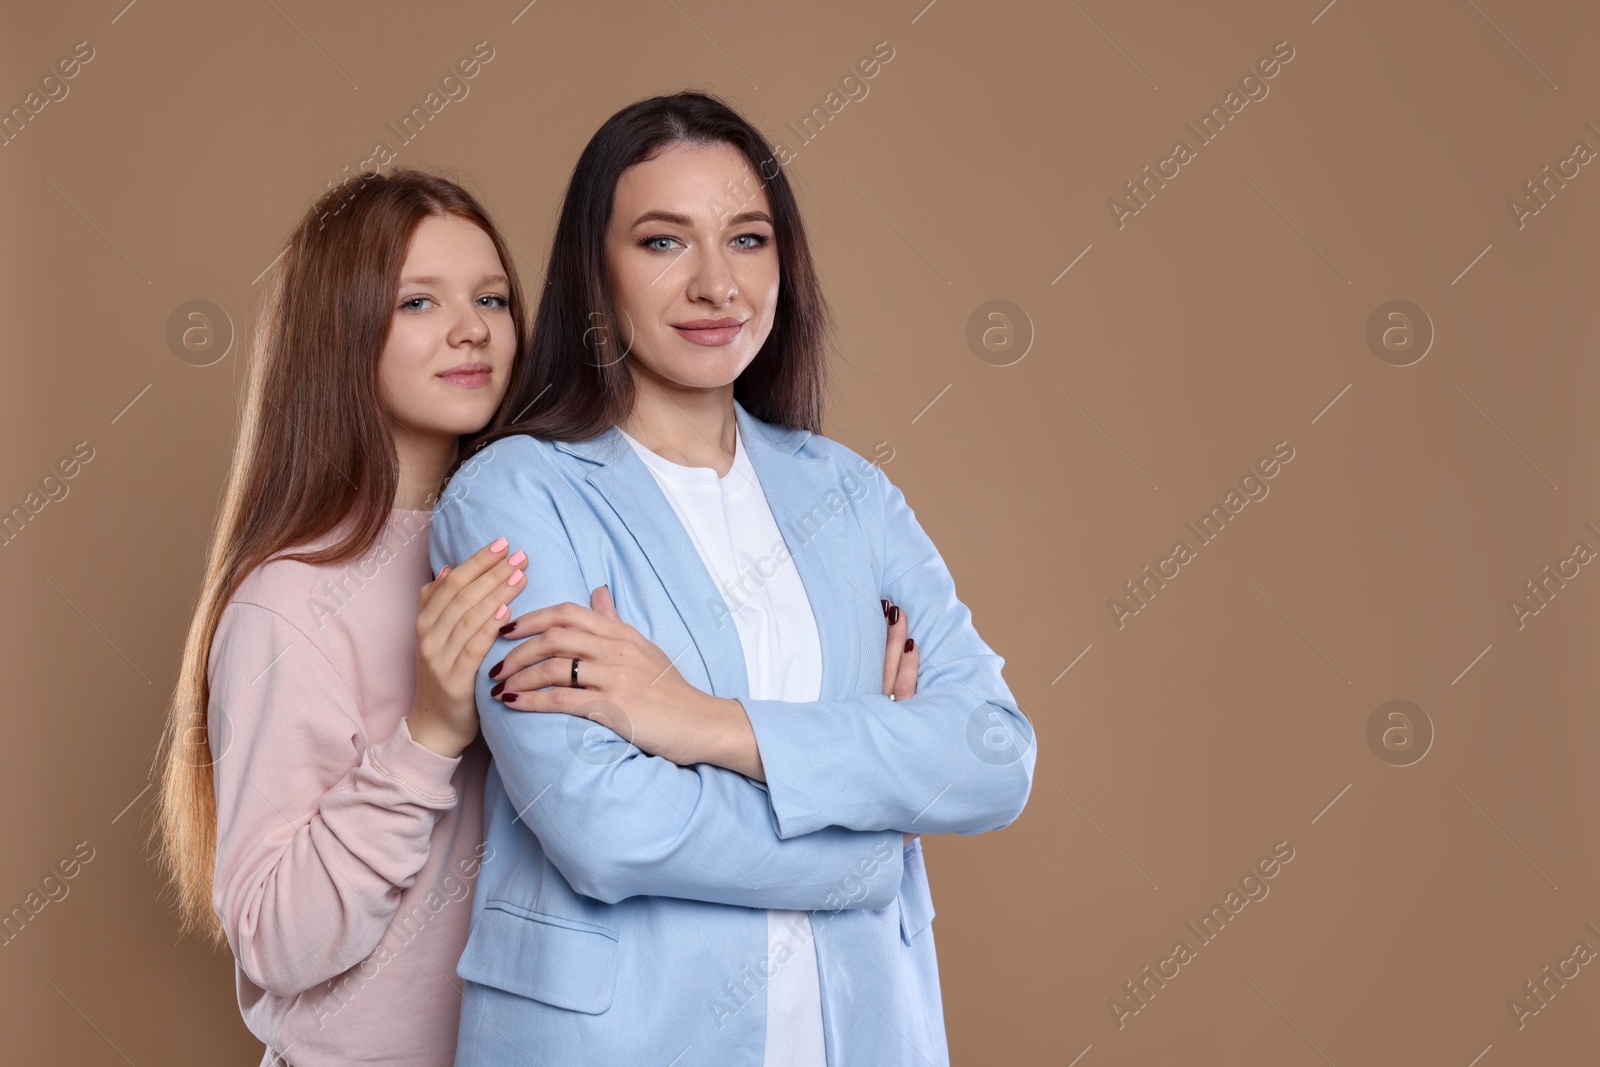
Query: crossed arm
(957, 756)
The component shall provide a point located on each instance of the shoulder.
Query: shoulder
(858, 477)
(516, 461)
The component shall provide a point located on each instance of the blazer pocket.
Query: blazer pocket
(558, 961)
(916, 902)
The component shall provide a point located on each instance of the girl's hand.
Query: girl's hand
(460, 614)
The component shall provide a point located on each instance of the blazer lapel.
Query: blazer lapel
(795, 488)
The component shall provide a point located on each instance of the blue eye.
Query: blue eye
(759, 239)
(650, 243)
(502, 301)
(409, 301)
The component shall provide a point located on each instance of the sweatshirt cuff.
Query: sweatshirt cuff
(426, 772)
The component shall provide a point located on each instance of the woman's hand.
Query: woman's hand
(625, 683)
(900, 655)
(460, 615)
(680, 723)
(899, 665)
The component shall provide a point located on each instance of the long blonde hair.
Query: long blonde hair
(314, 448)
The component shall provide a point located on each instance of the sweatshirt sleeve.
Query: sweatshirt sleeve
(955, 757)
(318, 828)
(615, 821)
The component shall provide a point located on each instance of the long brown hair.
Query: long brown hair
(571, 384)
(315, 449)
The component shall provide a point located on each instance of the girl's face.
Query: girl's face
(447, 361)
(692, 258)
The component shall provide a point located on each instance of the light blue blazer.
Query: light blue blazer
(618, 916)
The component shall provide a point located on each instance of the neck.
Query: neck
(424, 458)
(694, 427)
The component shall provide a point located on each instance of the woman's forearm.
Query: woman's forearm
(728, 739)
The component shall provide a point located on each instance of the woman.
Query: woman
(321, 800)
(718, 868)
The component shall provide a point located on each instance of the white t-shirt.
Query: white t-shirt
(731, 525)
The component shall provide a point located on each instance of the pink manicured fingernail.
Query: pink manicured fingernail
(516, 577)
(519, 559)
(499, 545)
(504, 610)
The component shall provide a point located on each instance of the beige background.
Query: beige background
(1229, 314)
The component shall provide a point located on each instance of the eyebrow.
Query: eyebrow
(431, 280)
(683, 220)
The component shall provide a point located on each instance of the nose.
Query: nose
(712, 279)
(470, 327)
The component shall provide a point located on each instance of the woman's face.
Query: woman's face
(692, 258)
(447, 361)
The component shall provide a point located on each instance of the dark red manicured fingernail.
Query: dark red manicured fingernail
(910, 644)
(494, 672)
(885, 604)
(894, 614)
(508, 627)
(508, 697)
(499, 687)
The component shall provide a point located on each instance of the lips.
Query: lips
(709, 331)
(468, 375)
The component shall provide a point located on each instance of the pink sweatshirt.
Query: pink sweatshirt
(346, 851)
